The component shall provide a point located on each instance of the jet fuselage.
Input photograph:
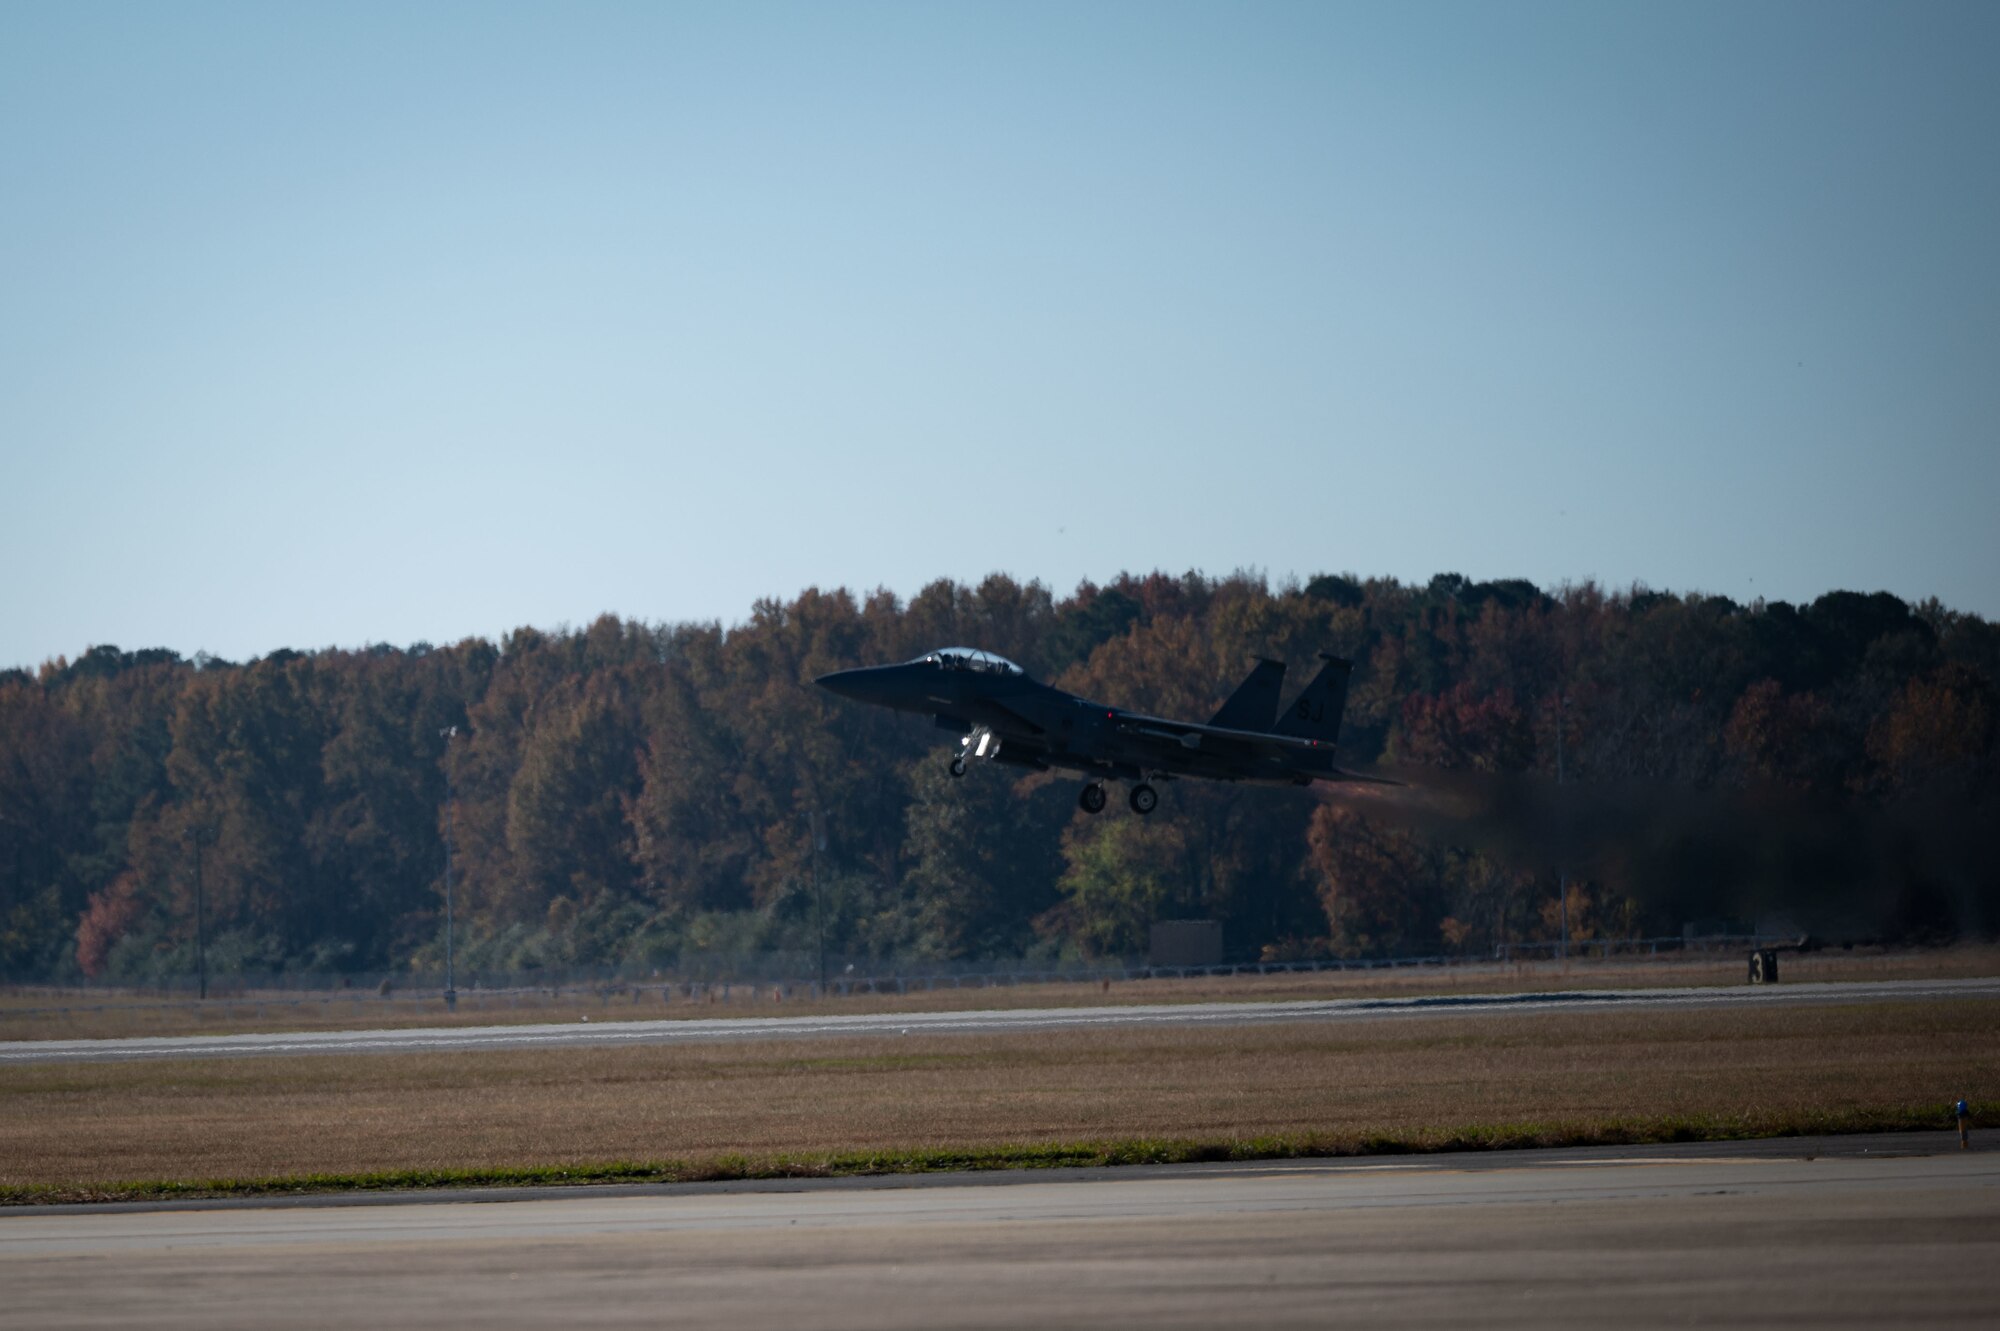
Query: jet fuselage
(1006, 716)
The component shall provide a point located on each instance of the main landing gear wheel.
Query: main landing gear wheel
(1143, 799)
(1091, 798)
(957, 766)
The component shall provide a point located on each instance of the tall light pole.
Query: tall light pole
(1562, 867)
(450, 827)
(200, 922)
(816, 824)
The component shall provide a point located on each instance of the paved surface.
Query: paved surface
(979, 1022)
(1734, 1235)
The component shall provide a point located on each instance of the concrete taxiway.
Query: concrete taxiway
(995, 1022)
(1858, 1231)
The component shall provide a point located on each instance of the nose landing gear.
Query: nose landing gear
(978, 743)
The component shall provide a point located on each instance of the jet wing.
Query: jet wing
(1188, 737)
(1191, 735)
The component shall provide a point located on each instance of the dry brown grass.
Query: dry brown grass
(98, 1123)
(46, 1014)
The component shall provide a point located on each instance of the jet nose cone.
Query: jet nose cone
(884, 685)
(847, 683)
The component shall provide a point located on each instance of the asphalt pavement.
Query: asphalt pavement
(1851, 1231)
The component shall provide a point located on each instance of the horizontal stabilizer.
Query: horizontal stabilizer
(1254, 705)
(1337, 774)
(1315, 713)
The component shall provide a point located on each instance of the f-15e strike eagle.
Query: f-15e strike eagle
(1007, 717)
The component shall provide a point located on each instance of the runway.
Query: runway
(1820, 1234)
(990, 1022)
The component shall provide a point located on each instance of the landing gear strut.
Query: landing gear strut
(1091, 798)
(1143, 799)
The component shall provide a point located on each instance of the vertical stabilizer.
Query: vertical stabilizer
(1315, 713)
(1254, 705)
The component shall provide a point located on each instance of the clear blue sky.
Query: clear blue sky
(332, 324)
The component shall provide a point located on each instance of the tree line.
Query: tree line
(632, 793)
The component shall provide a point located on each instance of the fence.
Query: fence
(1604, 948)
(779, 975)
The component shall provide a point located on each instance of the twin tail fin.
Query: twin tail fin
(1315, 713)
(1254, 705)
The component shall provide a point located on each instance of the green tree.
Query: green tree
(1122, 876)
(984, 855)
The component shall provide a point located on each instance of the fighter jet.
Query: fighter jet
(1005, 716)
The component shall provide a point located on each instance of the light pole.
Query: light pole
(450, 826)
(200, 922)
(1562, 866)
(816, 824)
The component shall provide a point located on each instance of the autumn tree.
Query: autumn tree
(648, 792)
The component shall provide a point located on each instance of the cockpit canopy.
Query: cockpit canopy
(972, 658)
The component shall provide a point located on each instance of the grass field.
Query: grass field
(704, 1110)
(47, 1014)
